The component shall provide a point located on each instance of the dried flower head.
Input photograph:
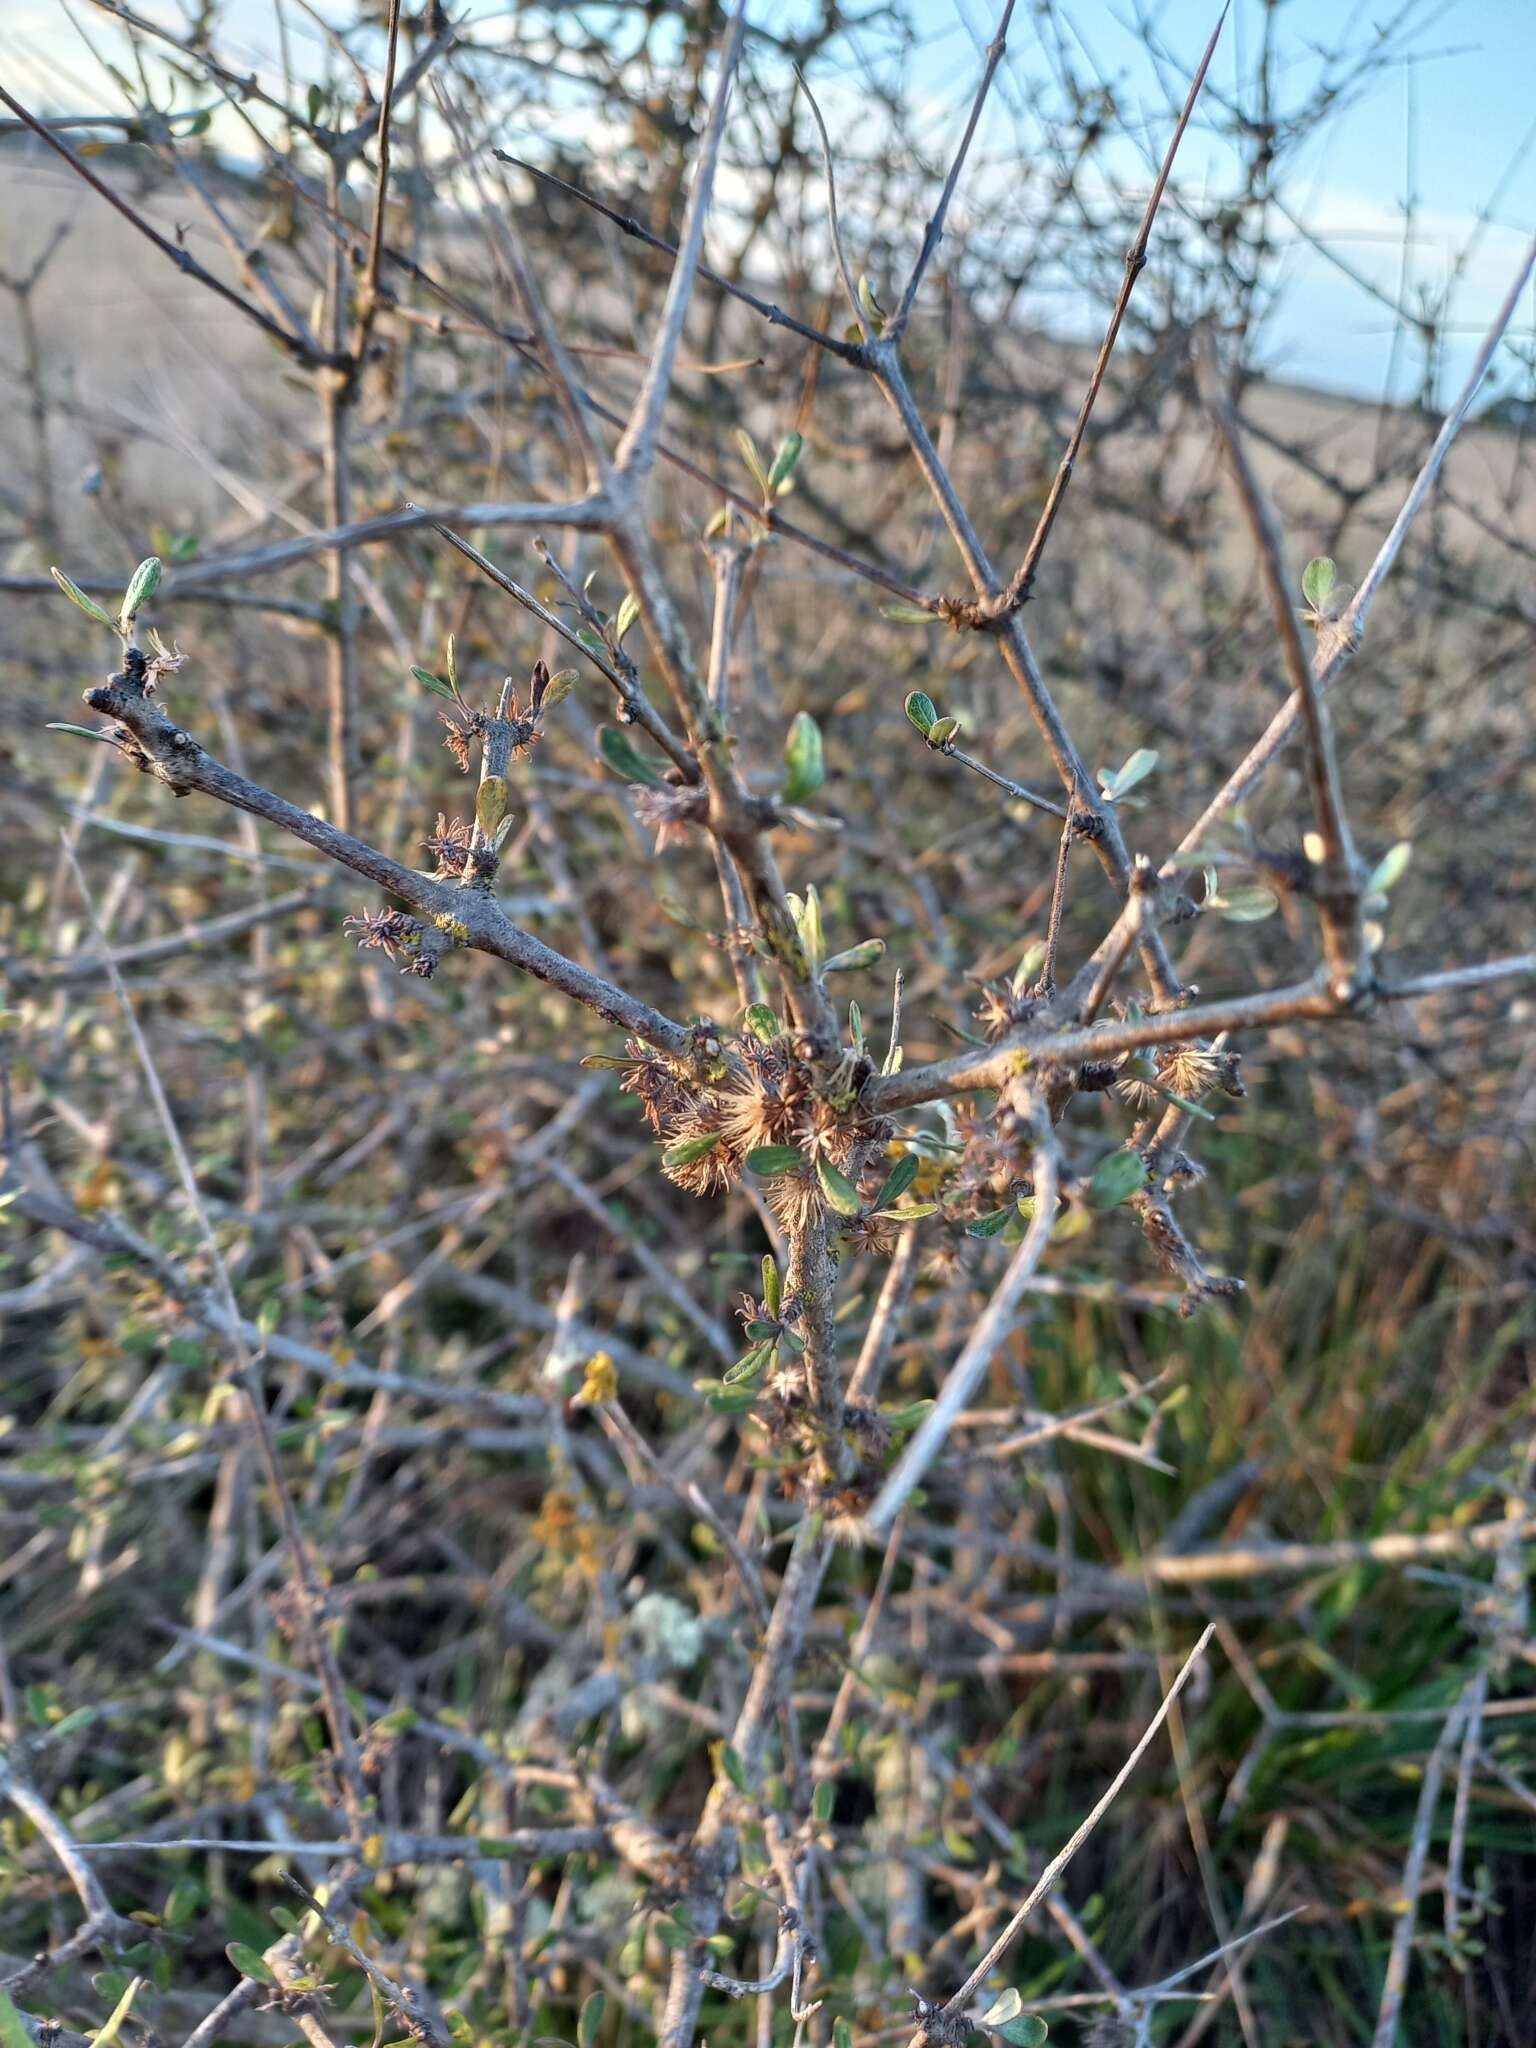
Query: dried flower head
(462, 731)
(796, 1199)
(671, 813)
(824, 1132)
(450, 845)
(706, 1172)
(660, 1089)
(762, 1106)
(1139, 1082)
(873, 1233)
(387, 931)
(1003, 1008)
(165, 661)
(1188, 1070)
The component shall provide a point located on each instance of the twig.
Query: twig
(994, 1326)
(1022, 582)
(933, 234)
(1396, 1982)
(999, 1948)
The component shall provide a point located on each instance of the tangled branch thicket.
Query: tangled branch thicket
(709, 1473)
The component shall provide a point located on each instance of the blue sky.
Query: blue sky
(1466, 96)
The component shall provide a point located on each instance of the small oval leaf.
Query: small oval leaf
(249, 1962)
(491, 804)
(77, 596)
(688, 1149)
(772, 1160)
(1317, 581)
(805, 759)
(863, 955)
(839, 1190)
(922, 711)
(619, 753)
(142, 585)
(1115, 1179)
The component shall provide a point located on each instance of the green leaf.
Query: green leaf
(81, 732)
(824, 1799)
(400, 1722)
(428, 681)
(806, 911)
(619, 753)
(1027, 2031)
(1126, 777)
(804, 758)
(491, 804)
(898, 1180)
(1029, 966)
(1115, 1179)
(591, 2019)
(773, 1286)
(1007, 2006)
(988, 1226)
(314, 99)
(907, 615)
(109, 2033)
(900, 1420)
(72, 1724)
(142, 585)
(249, 1962)
(733, 1767)
(842, 2034)
(874, 312)
(183, 1900)
(942, 732)
(839, 1190)
(1189, 1108)
(1246, 906)
(629, 611)
(1390, 869)
(863, 955)
(772, 1160)
(13, 2033)
(787, 455)
(1317, 581)
(753, 460)
(921, 711)
(733, 1400)
(761, 1022)
(87, 604)
(558, 688)
(688, 1149)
